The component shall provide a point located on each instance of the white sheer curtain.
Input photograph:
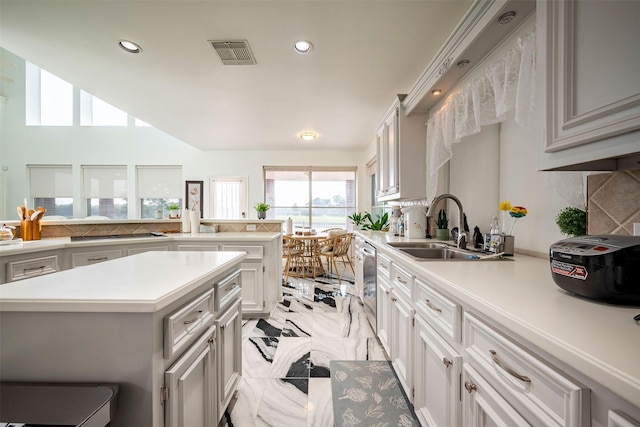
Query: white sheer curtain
(507, 84)
(228, 197)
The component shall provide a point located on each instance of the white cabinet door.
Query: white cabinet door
(229, 355)
(391, 144)
(252, 287)
(401, 341)
(437, 378)
(588, 61)
(190, 386)
(381, 161)
(383, 312)
(482, 406)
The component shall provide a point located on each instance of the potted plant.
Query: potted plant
(357, 219)
(572, 221)
(380, 224)
(442, 233)
(262, 209)
(173, 210)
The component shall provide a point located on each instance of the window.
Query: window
(51, 187)
(228, 197)
(48, 98)
(105, 191)
(158, 187)
(96, 112)
(312, 197)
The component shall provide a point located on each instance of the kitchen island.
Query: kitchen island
(131, 321)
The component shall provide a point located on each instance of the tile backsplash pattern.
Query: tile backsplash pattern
(613, 202)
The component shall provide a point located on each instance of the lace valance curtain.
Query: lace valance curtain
(507, 84)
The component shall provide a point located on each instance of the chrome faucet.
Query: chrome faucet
(462, 235)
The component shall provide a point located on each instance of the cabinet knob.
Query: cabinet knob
(470, 387)
(447, 362)
(210, 340)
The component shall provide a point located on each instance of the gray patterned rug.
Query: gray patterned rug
(367, 394)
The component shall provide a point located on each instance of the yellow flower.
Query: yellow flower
(505, 205)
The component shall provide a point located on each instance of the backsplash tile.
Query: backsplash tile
(613, 202)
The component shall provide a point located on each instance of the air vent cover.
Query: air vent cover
(234, 52)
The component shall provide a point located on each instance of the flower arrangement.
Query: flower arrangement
(514, 212)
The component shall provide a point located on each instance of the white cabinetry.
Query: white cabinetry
(383, 296)
(191, 386)
(82, 258)
(20, 267)
(401, 151)
(229, 354)
(401, 328)
(251, 272)
(588, 61)
(359, 266)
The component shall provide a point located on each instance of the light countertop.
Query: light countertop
(144, 282)
(21, 247)
(598, 340)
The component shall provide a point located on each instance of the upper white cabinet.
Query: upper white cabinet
(401, 150)
(588, 61)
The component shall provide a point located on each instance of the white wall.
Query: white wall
(21, 145)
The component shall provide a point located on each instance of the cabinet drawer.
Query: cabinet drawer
(228, 289)
(543, 395)
(133, 251)
(439, 311)
(253, 252)
(19, 270)
(185, 325)
(384, 266)
(198, 248)
(88, 258)
(401, 280)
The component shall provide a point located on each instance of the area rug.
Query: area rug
(368, 393)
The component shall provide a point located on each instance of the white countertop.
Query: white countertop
(7, 249)
(598, 340)
(144, 282)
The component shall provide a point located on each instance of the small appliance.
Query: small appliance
(601, 267)
(415, 221)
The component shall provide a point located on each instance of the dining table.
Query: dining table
(308, 263)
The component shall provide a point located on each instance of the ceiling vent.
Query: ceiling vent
(234, 52)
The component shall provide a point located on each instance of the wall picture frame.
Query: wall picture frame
(194, 196)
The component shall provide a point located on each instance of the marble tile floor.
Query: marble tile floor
(285, 358)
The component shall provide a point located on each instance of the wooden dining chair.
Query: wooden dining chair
(292, 252)
(337, 246)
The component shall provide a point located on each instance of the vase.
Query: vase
(195, 221)
(442, 234)
(186, 221)
(262, 214)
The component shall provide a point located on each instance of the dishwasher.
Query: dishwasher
(369, 285)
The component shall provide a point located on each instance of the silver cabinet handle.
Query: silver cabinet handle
(507, 369)
(103, 258)
(432, 307)
(384, 266)
(399, 279)
(470, 387)
(188, 322)
(447, 362)
(33, 269)
(394, 299)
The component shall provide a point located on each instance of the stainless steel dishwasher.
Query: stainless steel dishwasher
(369, 291)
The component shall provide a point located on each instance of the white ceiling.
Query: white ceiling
(364, 53)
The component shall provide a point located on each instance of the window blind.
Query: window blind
(104, 182)
(47, 181)
(159, 182)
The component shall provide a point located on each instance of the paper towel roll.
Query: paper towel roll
(186, 221)
(289, 226)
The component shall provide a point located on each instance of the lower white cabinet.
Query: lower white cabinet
(252, 287)
(190, 386)
(383, 315)
(437, 378)
(229, 354)
(359, 266)
(401, 340)
(484, 406)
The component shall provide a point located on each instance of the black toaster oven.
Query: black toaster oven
(603, 267)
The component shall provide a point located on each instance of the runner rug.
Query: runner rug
(367, 393)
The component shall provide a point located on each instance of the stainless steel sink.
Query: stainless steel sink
(418, 245)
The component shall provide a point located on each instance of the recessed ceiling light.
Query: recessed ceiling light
(302, 46)
(129, 46)
(308, 136)
(436, 92)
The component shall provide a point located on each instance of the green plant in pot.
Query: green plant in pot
(173, 209)
(357, 219)
(572, 221)
(381, 223)
(442, 233)
(262, 209)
